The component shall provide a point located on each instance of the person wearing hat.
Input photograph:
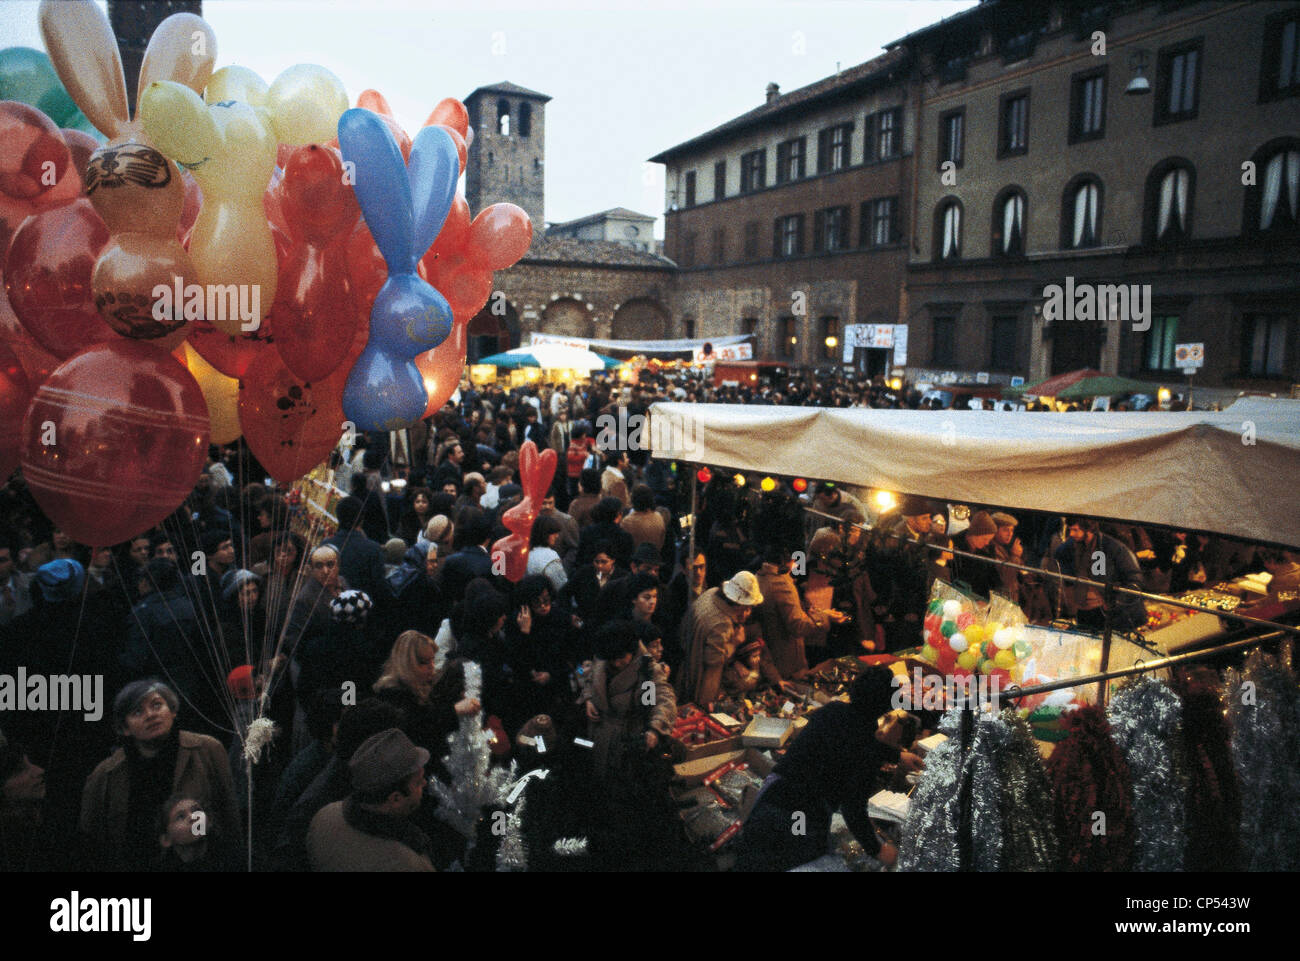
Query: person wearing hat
(902, 568)
(977, 539)
(833, 499)
(782, 622)
(711, 633)
(372, 830)
(120, 803)
(1078, 557)
(1007, 547)
(833, 765)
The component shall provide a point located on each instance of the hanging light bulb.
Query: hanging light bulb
(768, 484)
(799, 484)
(740, 480)
(885, 500)
(704, 475)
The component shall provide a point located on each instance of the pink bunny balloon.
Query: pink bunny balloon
(536, 471)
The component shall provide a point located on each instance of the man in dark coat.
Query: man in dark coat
(471, 560)
(361, 560)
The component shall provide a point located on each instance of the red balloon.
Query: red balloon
(466, 285)
(442, 366)
(36, 167)
(231, 356)
(37, 362)
(291, 425)
(535, 471)
(15, 392)
(127, 428)
(455, 231)
(367, 270)
(451, 113)
(500, 235)
(47, 277)
(462, 150)
(315, 315)
(81, 145)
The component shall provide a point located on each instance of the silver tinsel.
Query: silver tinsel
(570, 847)
(475, 783)
(933, 823)
(512, 855)
(1146, 720)
(1010, 817)
(1266, 754)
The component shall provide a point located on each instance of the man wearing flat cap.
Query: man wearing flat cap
(371, 829)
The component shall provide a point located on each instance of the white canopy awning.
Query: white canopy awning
(1234, 472)
(639, 346)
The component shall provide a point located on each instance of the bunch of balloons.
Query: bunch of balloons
(237, 257)
(961, 640)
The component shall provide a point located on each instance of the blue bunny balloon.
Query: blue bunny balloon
(404, 209)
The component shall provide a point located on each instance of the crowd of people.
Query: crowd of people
(356, 645)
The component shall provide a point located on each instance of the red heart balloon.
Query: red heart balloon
(114, 441)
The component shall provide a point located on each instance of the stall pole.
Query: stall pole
(1108, 607)
(694, 507)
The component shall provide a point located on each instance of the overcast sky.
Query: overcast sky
(628, 80)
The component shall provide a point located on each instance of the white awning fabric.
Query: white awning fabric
(1234, 472)
(639, 346)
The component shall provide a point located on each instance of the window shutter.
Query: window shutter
(869, 138)
(823, 151)
(819, 229)
(776, 237)
(798, 237)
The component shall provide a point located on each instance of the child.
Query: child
(184, 839)
(742, 674)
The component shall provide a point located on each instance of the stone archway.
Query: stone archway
(640, 319)
(491, 333)
(567, 317)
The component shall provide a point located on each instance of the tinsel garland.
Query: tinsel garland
(1010, 816)
(1089, 775)
(512, 855)
(1025, 809)
(257, 737)
(933, 822)
(1213, 817)
(1146, 723)
(1264, 710)
(475, 783)
(570, 847)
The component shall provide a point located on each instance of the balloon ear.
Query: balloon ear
(434, 170)
(237, 83)
(382, 186)
(375, 102)
(176, 121)
(82, 48)
(183, 50)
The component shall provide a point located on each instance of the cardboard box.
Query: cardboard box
(691, 774)
(689, 752)
(770, 732)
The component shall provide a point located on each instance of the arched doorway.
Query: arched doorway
(640, 319)
(567, 317)
(491, 333)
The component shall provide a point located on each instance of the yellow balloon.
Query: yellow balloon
(221, 393)
(230, 150)
(306, 102)
(974, 634)
(237, 83)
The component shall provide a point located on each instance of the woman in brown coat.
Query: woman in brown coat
(120, 804)
(622, 723)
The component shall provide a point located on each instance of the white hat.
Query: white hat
(743, 589)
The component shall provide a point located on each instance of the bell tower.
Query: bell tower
(507, 161)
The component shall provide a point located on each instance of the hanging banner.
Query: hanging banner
(724, 352)
(900, 345)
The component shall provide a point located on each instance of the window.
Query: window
(753, 171)
(943, 349)
(789, 339)
(1177, 82)
(1159, 342)
(952, 136)
(947, 230)
(830, 328)
(831, 229)
(751, 240)
(690, 188)
(1002, 353)
(688, 327)
(790, 160)
(503, 117)
(889, 133)
(719, 180)
(719, 245)
(1081, 219)
(749, 326)
(1280, 72)
(879, 222)
(1088, 105)
(833, 148)
(525, 119)
(788, 236)
(1168, 202)
(1278, 192)
(1263, 347)
(1009, 223)
(688, 250)
(1013, 124)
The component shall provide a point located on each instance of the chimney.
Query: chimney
(773, 91)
